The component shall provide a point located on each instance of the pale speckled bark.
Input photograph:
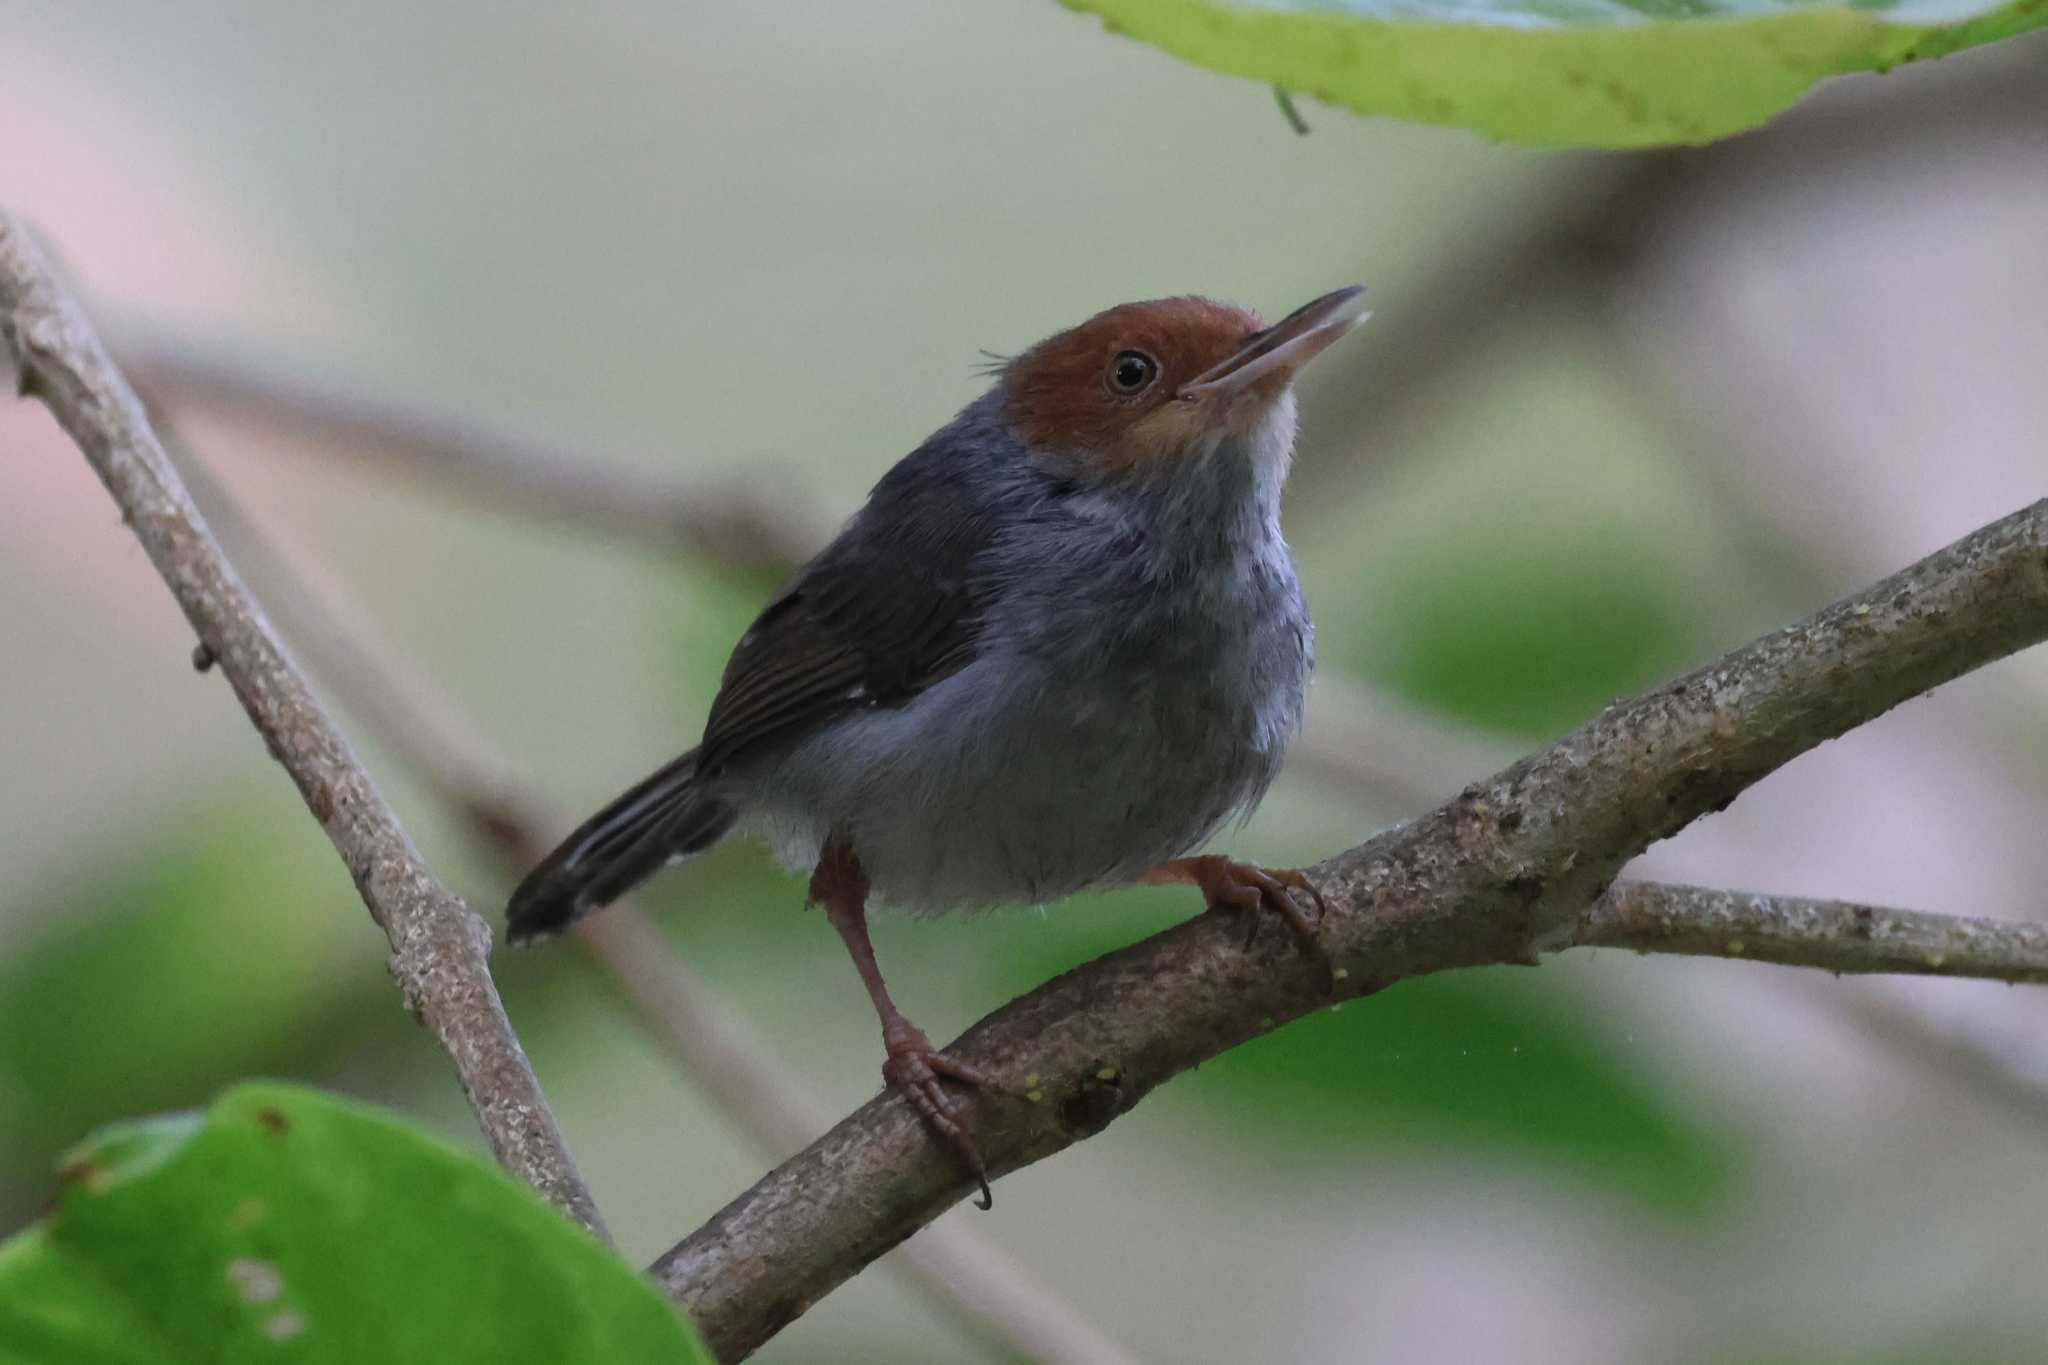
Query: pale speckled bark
(439, 946)
(1796, 931)
(1502, 873)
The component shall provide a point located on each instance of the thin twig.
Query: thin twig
(1797, 931)
(1285, 99)
(1502, 873)
(986, 1292)
(439, 947)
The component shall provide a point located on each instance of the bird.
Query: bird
(1060, 646)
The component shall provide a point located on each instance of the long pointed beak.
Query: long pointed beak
(1286, 346)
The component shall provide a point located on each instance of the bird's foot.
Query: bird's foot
(1250, 890)
(913, 1070)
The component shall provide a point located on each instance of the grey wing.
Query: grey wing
(889, 608)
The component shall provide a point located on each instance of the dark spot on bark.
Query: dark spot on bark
(274, 1120)
(1093, 1103)
(26, 384)
(1471, 793)
(1510, 821)
(1865, 921)
(1699, 788)
(77, 1172)
(1526, 885)
(202, 657)
(321, 801)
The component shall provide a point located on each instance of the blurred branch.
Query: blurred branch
(439, 946)
(987, 1293)
(481, 455)
(1500, 874)
(1380, 748)
(1794, 931)
(2014, 1073)
(1593, 219)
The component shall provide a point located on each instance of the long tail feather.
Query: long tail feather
(665, 816)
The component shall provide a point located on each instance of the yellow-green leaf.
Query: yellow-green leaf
(1599, 73)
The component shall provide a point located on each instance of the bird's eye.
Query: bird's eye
(1132, 372)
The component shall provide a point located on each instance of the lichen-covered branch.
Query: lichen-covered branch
(1502, 873)
(439, 946)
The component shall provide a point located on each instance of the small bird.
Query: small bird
(1059, 647)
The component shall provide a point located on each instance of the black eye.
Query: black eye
(1132, 372)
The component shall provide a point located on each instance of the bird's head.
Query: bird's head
(1143, 386)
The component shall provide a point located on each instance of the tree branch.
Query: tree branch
(439, 947)
(1794, 931)
(1500, 874)
(964, 1277)
(592, 484)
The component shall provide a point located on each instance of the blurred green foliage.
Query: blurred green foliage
(1563, 72)
(229, 943)
(1496, 1061)
(288, 1226)
(1536, 633)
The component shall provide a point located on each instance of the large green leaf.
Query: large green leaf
(1602, 73)
(288, 1227)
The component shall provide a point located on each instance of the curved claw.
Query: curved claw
(912, 1069)
(1249, 890)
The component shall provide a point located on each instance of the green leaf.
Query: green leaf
(1601, 73)
(290, 1227)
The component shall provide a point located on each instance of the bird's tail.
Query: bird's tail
(667, 815)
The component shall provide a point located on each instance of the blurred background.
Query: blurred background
(1615, 415)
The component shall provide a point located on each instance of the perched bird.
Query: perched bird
(1058, 648)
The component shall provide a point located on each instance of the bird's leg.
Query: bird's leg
(1246, 889)
(913, 1066)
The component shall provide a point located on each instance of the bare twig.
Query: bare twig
(1795, 931)
(1502, 873)
(439, 947)
(560, 477)
(987, 1293)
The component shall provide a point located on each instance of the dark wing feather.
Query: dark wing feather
(888, 609)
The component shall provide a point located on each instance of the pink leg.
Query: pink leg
(913, 1066)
